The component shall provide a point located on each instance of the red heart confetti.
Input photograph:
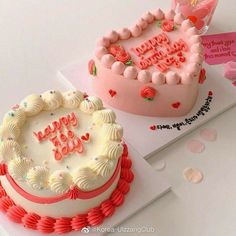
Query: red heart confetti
(234, 83)
(112, 93)
(85, 137)
(176, 105)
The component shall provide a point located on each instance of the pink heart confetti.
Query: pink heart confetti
(195, 146)
(192, 175)
(208, 134)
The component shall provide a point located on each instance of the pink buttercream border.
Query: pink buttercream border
(196, 48)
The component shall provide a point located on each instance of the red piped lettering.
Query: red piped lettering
(162, 67)
(73, 119)
(159, 49)
(39, 135)
(55, 141)
(57, 155)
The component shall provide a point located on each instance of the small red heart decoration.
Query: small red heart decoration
(234, 83)
(153, 127)
(176, 105)
(210, 93)
(85, 137)
(112, 93)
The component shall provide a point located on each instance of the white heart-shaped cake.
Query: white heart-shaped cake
(152, 68)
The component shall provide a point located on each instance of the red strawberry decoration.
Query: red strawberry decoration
(85, 137)
(176, 105)
(112, 93)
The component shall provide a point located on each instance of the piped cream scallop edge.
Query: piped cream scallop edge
(131, 72)
(112, 147)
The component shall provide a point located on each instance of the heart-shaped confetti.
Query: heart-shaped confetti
(208, 134)
(192, 175)
(195, 146)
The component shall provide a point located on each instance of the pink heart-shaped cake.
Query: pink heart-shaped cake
(150, 66)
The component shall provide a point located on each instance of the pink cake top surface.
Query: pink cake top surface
(159, 48)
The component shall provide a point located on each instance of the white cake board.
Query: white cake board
(137, 131)
(146, 187)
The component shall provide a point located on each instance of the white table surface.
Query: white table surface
(39, 37)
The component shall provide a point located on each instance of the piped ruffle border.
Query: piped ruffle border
(93, 217)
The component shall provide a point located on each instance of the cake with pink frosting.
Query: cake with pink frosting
(153, 68)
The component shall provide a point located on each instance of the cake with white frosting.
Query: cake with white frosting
(64, 165)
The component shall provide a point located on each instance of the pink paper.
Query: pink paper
(219, 48)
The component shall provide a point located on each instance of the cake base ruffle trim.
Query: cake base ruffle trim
(62, 225)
